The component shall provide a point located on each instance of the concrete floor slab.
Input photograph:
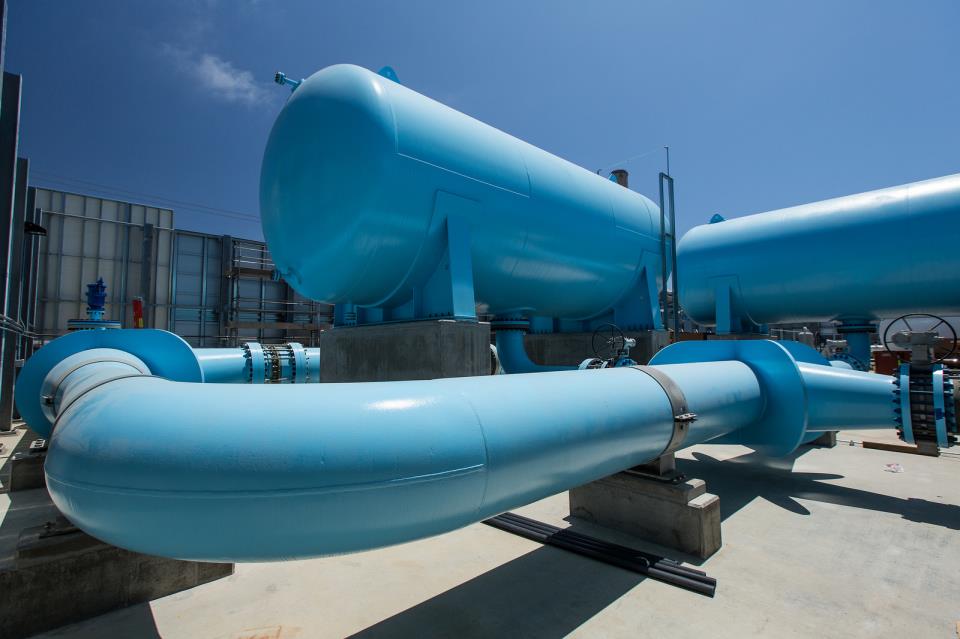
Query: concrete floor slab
(825, 543)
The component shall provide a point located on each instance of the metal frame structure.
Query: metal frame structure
(13, 176)
(236, 297)
(286, 316)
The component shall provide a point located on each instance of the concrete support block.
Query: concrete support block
(826, 440)
(570, 349)
(59, 575)
(683, 515)
(405, 350)
(26, 467)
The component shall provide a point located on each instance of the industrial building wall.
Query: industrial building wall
(129, 245)
(198, 274)
(224, 293)
(212, 290)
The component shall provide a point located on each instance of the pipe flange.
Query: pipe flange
(854, 362)
(299, 360)
(256, 362)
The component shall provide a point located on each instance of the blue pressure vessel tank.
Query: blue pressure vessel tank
(360, 174)
(856, 258)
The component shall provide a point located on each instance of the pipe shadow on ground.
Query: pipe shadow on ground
(135, 621)
(544, 594)
(741, 480)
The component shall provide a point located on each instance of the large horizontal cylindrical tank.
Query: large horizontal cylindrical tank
(860, 258)
(360, 174)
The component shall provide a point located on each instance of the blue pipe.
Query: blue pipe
(224, 365)
(358, 466)
(237, 365)
(382, 464)
(858, 341)
(845, 399)
(513, 354)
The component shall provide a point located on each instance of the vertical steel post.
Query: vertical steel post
(9, 237)
(226, 282)
(146, 266)
(29, 264)
(119, 294)
(11, 344)
(668, 311)
(673, 258)
(663, 257)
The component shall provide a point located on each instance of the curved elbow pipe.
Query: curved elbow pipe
(192, 471)
(355, 466)
(513, 354)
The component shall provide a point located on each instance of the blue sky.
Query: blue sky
(764, 104)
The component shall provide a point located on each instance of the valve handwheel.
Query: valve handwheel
(938, 322)
(608, 341)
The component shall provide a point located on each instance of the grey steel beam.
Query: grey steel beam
(30, 265)
(9, 141)
(146, 269)
(11, 343)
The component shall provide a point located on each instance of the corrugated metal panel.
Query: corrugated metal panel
(197, 280)
(90, 237)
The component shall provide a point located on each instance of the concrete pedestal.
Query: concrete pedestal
(682, 515)
(570, 349)
(405, 350)
(26, 467)
(51, 574)
(826, 440)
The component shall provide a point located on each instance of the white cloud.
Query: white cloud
(229, 82)
(219, 77)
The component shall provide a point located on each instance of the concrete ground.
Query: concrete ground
(826, 543)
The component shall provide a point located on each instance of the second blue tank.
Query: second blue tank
(855, 259)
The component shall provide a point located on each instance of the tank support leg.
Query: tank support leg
(727, 321)
(449, 290)
(640, 309)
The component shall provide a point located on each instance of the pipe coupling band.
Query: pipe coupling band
(682, 417)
